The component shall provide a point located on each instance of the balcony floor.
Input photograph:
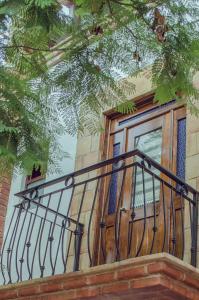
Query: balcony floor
(158, 276)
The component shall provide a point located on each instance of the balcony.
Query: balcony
(122, 212)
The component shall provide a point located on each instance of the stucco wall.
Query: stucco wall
(67, 165)
(68, 144)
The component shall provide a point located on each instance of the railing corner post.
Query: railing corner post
(78, 240)
(195, 231)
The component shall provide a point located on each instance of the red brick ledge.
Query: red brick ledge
(158, 276)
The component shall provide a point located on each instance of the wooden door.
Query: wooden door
(135, 226)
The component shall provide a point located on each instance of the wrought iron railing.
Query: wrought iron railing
(66, 222)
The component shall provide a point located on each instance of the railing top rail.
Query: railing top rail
(110, 161)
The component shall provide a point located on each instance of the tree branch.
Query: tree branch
(33, 49)
(131, 32)
(109, 6)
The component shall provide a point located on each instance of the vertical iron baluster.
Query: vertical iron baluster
(195, 231)
(154, 215)
(24, 247)
(4, 244)
(164, 216)
(34, 253)
(144, 229)
(133, 185)
(52, 232)
(78, 239)
(64, 255)
(70, 203)
(90, 220)
(78, 231)
(29, 239)
(41, 235)
(68, 250)
(182, 222)
(174, 225)
(11, 244)
(119, 212)
(64, 224)
(18, 243)
(103, 223)
(191, 222)
(46, 249)
(57, 252)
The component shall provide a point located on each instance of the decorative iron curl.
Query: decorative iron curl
(69, 181)
(66, 223)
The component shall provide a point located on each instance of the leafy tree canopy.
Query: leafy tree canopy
(72, 66)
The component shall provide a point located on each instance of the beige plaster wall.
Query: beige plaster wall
(88, 153)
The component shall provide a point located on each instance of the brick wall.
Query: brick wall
(158, 276)
(4, 196)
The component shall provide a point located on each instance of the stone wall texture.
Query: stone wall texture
(89, 151)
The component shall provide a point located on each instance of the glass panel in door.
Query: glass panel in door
(149, 143)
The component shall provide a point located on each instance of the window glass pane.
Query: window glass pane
(181, 148)
(151, 144)
(113, 184)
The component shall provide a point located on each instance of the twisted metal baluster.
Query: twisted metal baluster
(77, 231)
(144, 200)
(46, 248)
(4, 244)
(58, 246)
(174, 225)
(17, 247)
(41, 235)
(10, 249)
(64, 256)
(134, 182)
(164, 216)
(29, 240)
(90, 220)
(182, 222)
(154, 215)
(117, 227)
(36, 244)
(52, 232)
(24, 247)
(191, 222)
(103, 224)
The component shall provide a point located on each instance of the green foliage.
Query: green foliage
(106, 42)
(25, 127)
(126, 107)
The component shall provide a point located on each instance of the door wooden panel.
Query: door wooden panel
(133, 228)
